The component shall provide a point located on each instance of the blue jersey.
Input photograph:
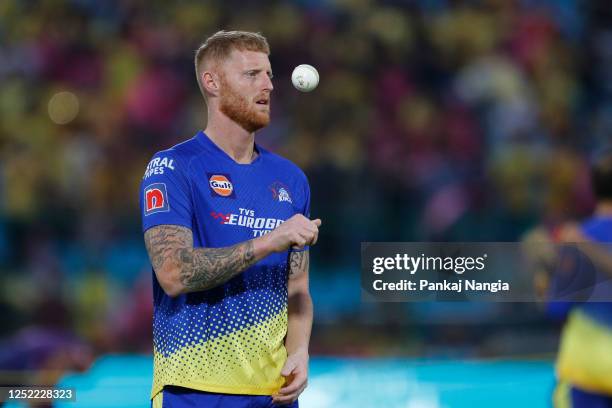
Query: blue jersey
(584, 360)
(228, 339)
(599, 229)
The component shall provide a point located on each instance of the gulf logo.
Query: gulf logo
(221, 185)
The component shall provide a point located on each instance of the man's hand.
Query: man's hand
(297, 232)
(295, 372)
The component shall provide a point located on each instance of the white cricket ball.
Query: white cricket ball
(305, 78)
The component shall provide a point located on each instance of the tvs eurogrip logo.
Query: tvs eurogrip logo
(221, 185)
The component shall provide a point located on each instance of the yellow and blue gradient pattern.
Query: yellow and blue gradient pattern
(228, 339)
(585, 357)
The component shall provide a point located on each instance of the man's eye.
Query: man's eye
(252, 73)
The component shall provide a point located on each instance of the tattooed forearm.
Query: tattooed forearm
(298, 262)
(205, 268)
(162, 242)
(170, 248)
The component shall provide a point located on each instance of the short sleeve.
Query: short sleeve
(165, 195)
(305, 206)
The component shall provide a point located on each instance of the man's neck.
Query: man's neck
(604, 208)
(230, 137)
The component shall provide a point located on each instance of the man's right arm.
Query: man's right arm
(181, 268)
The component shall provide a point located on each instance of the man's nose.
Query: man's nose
(268, 86)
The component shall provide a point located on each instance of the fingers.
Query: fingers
(295, 372)
(292, 391)
(300, 240)
(315, 234)
(283, 400)
(315, 238)
(301, 219)
(312, 227)
(287, 399)
(294, 385)
(301, 231)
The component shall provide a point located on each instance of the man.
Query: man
(226, 225)
(584, 364)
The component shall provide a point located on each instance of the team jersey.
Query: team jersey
(585, 360)
(228, 339)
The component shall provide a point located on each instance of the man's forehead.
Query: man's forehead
(249, 59)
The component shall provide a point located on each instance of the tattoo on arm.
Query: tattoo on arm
(298, 263)
(163, 241)
(205, 268)
(198, 268)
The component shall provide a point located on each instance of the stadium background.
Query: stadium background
(434, 120)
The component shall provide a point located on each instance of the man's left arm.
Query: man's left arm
(299, 325)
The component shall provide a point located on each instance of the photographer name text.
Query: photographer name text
(446, 264)
(443, 286)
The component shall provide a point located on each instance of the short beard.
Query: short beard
(238, 109)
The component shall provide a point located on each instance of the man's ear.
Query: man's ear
(210, 82)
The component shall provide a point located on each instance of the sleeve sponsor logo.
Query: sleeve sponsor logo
(157, 166)
(156, 199)
(221, 185)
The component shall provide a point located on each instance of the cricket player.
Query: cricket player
(227, 229)
(584, 364)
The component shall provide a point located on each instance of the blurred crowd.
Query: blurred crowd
(434, 120)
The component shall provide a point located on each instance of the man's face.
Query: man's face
(245, 89)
